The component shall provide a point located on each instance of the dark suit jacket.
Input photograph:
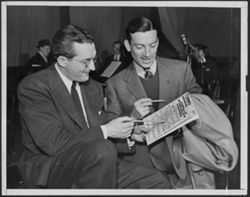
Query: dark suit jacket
(50, 123)
(37, 59)
(125, 61)
(206, 74)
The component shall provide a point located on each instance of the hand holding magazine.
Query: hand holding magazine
(171, 117)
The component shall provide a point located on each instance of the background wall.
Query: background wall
(25, 26)
(218, 28)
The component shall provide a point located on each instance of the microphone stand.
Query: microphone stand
(187, 48)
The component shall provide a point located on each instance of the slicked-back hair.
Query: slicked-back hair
(116, 42)
(140, 24)
(62, 42)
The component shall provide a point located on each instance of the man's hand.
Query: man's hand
(139, 133)
(141, 129)
(138, 137)
(120, 127)
(141, 108)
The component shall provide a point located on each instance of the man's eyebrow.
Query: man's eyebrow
(153, 42)
(88, 59)
(139, 44)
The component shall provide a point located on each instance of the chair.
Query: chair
(14, 178)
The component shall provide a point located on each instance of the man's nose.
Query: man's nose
(91, 65)
(147, 51)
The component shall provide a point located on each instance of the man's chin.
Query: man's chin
(147, 65)
(84, 80)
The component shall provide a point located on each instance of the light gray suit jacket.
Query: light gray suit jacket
(175, 78)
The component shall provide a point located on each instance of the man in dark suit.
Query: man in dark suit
(65, 135)
(41, 58)
(148, 78)
(119, 55)
(205, 69)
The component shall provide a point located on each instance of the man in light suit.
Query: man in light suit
(65, 136)
(149, 77)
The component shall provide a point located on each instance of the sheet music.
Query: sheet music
(174, 115)
(111, 69)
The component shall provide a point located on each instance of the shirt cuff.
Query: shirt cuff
(104, 131)
(130, 143)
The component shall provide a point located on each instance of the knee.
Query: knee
(104, 151)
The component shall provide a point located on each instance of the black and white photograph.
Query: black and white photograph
(124, 98)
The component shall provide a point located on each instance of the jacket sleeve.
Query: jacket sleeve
(113, 106)
(113, 111)
(191, 85)
(209, 141)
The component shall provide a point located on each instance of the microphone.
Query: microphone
(184, 39)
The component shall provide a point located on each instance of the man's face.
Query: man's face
(78, 67)
(117, 48)
(198, 54)
(143, 47)
(45, 50)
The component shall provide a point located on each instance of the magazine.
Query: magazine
(171, 117)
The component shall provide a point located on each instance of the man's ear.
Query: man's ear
(61, 60)
(127, 45)
(157, 42)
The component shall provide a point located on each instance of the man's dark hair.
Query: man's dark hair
(62, 42)
(140, 24)
(43, 43)
(116, 42)
(202, 47)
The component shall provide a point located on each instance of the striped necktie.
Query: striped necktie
(148, 74)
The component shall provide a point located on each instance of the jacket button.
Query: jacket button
(201, 173)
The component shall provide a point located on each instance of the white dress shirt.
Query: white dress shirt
(45, 58)
(141, 72)
(117, 57)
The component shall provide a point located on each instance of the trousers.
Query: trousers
(95, 165)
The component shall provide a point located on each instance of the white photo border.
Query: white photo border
(244, 99)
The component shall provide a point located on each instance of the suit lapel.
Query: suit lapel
(134, 84)
(63, 96)
(89, 99)
(136, 88)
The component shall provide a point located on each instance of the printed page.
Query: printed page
(171, 117)
(111, 69)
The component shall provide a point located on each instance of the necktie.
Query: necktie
(148, 74)
(76, 100)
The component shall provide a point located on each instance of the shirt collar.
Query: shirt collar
(66, 81)
(141, 72)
